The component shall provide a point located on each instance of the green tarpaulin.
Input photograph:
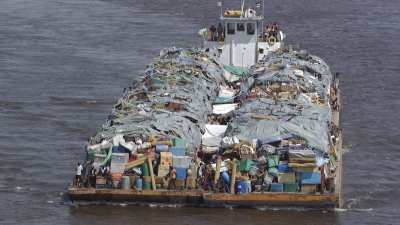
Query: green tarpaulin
(236, 70)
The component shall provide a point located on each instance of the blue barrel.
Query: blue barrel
(177, 151)
(162, 148)
(225, 177)
(125, 183)
(139, 184)
(240, 187)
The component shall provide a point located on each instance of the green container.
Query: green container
(178, 142)
(145, 169)
(291, 187)
(245, 165)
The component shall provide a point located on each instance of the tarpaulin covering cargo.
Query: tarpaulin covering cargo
(173, 99)
(176, 127)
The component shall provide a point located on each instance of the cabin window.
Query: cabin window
(231, 28)
(251, 28)
(261, 50)
(240, 26)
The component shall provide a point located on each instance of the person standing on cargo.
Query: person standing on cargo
(220, 31)
(172, 178)
(213, 31)
(93, 173)
(78, 176)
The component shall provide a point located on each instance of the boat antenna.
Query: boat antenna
(219, 3)
(262, 21)
(241, 14)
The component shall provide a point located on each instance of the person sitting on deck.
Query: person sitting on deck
(172, 178)
(78, 176)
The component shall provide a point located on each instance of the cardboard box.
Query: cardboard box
(118, 161)
(163, 170)
(119, 158)
(308, 188)
(166, 159)
(117, 167)
(100, 180)
(286, 178)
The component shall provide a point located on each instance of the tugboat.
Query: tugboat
(244, 121)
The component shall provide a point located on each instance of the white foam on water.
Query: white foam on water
(340, 210)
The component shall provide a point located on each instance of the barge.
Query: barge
(243, 121)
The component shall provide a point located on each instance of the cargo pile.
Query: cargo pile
(192, 124)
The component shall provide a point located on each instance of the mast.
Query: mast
(242, 10)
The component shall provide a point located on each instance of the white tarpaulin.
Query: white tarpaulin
(224, 108)
(213, 134)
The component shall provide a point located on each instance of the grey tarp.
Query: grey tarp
(298, 115)
(173, 99)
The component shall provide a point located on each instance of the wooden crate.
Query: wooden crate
(308, 188)
(100, 180)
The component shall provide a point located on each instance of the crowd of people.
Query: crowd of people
(216, 33)
(271, 33)
(86, 174)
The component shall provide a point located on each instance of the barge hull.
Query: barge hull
(198, 198)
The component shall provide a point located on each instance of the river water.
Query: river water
(63, 63)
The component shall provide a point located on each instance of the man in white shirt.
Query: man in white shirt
(78, 176)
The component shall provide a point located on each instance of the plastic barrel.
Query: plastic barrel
(145, 169)
(126, 183)
(146, 182)
(225, 177)
(247, 184)
(239, 187)
(139, 184)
